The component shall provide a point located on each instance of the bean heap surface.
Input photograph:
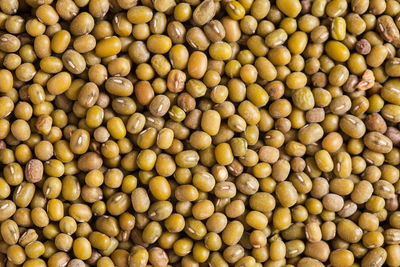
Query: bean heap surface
(199, 133)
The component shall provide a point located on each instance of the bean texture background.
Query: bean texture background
(199, 133)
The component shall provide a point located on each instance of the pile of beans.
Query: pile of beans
(199, 133)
